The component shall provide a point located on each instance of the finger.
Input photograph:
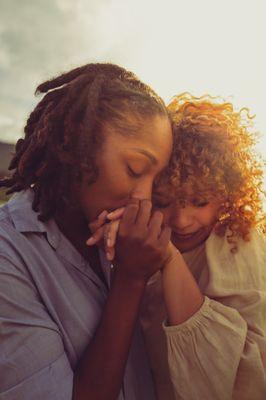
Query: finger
(106, 229)
(110, 253)
(102, 216)
(144, 213)
(109, 250)
(165, 235)
(94, 225)
(96, 237)
(116, 214)
(114, 227)
(130, 213)
(155, 224)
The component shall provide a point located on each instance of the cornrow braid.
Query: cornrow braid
(63, 132)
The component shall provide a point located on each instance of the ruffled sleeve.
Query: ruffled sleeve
(220, 352)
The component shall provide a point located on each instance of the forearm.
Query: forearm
(181, 293)
(100, 372)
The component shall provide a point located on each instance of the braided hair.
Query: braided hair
(63, 132)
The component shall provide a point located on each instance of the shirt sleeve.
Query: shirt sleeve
(220, 352)
(33, 363)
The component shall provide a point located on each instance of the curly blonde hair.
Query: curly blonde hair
(214, 157)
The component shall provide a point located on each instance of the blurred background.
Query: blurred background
(207, 46)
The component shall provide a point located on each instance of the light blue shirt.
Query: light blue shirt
(51, 303)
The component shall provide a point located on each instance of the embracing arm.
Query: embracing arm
(181, 293)
(221, 348)
(101, 369)
(140, 252)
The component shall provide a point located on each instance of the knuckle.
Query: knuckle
(146, 203)
(158, 214)
(150, 245)
(136, 238)
(133, 202)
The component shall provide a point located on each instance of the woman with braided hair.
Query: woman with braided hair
(96, 141)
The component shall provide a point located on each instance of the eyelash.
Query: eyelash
(162, 205)
(200, 204)
(133, 173)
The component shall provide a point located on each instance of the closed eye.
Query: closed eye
(200, 204)
(133, 173)
(161, 203)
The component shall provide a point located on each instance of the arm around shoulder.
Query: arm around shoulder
(222, 347)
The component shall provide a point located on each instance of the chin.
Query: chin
(184, 245)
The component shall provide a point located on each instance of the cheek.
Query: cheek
(208, 216)
(117, 187)
(110, 181)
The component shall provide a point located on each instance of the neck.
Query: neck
(73, 224)
(75, 227)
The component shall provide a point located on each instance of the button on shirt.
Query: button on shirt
(51, 303)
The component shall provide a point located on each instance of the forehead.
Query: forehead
(184, 193)
(156, 133)
(152, 134)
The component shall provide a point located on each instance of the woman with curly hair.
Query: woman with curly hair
(213, 291)
(204, 314)
(95, 142)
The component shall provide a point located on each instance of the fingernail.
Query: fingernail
(108, 256)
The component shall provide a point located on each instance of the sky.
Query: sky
(207, 46)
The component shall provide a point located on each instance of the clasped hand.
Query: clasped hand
(134, 238)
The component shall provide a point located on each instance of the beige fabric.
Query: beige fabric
(220, 352)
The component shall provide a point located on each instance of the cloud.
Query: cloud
(174, 45)
(6, 121)
(38, 39)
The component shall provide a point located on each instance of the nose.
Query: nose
(143, 189)
(181, 219)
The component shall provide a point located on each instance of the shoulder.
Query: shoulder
(244, 268)
(8, 233)
(255, 246)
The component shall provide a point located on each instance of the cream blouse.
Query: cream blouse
(220, 352)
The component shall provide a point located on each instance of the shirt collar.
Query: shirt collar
(26, 220)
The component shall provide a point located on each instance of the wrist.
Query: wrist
(128, 282)
(173, 260)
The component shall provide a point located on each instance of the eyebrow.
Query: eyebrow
(147, 154)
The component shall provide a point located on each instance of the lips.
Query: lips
(187, 235)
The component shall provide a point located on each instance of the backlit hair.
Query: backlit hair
(63, 134)
(214, 157)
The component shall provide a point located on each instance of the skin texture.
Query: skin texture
(100, 371)
(179, 285)
(141, 251)
(191, 225)
(127, 167)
